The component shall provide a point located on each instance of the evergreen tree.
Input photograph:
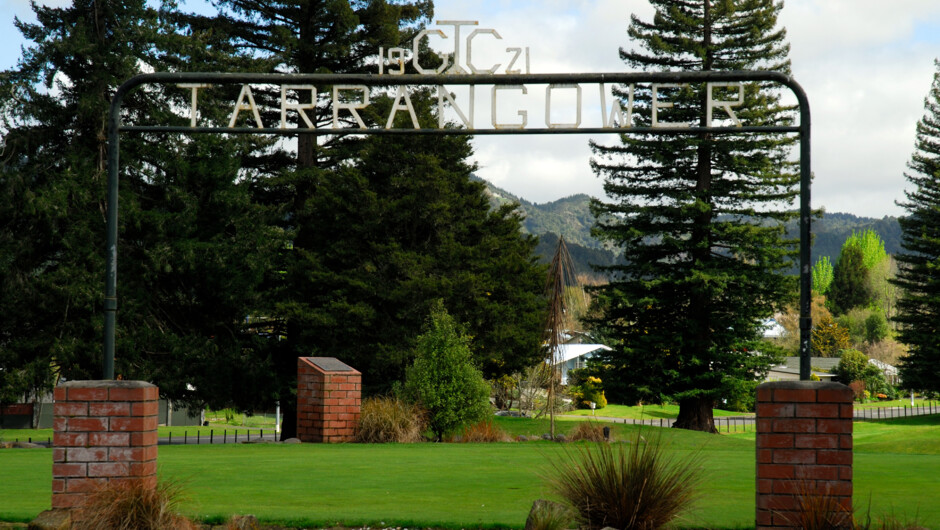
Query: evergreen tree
(192, 244)
(850, 287)
(380, 227)
(52, 174)
(919, 305)
(699, 217)
(443, 379)
(405, 227)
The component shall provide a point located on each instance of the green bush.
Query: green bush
(389, 419)
(443, 378)
(876, 327)
(588, 391)
(738, 395)
(626, 485)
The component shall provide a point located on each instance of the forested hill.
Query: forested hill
(571, 217)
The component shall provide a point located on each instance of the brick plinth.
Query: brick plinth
(804, 449)
(104, 431)
(328, 399)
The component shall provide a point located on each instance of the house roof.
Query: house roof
(884, 367)
(772, 329)
(566, 352)
(822, 363)
(782, 369)
(829, 364)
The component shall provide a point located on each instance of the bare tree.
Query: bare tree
(561, 278)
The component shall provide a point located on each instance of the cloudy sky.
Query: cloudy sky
(866, 66)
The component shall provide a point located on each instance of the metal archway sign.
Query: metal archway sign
(350, 93)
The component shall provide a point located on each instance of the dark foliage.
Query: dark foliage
(699, 218)
(919, 306)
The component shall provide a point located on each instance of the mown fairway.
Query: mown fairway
(466, 485)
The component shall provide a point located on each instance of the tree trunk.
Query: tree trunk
(289, 418)
(695, 414)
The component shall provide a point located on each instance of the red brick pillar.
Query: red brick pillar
(804, 448)
(105, 431)
(328, 400)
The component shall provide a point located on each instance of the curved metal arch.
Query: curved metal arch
(115, 127)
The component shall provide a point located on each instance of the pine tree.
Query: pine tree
(403, 228)
(698, 216)
(193, 245)
(379, 227)
(54, 109)
(919, 305)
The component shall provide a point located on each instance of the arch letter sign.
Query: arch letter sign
(563, 94)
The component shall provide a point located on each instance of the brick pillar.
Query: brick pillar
(328, 400)
(804, 447)
(105, 431)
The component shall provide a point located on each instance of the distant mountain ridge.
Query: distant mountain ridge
(571, 217)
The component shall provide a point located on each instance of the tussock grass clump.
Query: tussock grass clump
(547, 515)
(819, 510)
(132, 506)
(626, 486)
(587, 431)
(389, 419)
(484, 431)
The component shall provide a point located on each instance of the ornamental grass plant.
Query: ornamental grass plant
(485, 431)
(132, 506)
(633, 485)
(820, 510)
(587, 431)
(386, 419)
(547, 515)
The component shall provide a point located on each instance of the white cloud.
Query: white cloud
(866, 66)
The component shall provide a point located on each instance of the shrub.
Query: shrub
(588, 391)
(132, 506)
(587, 430)
(851, 366)
(389, 419)
(504, 391)
(738, 395)
(443, 378)
(483, 432)
(858, 388)
(625, 486)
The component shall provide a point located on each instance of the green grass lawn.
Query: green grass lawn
(640, 412)
(903, 402)
(470, 485)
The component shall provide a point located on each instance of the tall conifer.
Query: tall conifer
(919, 306)
(697, 216)
(193, 246)
(381, 227)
